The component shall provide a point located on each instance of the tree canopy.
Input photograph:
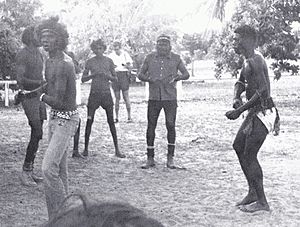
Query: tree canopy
(273, 20)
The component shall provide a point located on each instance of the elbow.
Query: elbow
(186, 76)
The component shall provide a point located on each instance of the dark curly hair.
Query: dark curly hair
(28, 35)
(100, 214)
(98, 42)
(246, 31)
(59, 29)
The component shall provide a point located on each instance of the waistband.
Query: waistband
(63, 114)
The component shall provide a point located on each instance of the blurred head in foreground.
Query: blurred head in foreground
(100, 214)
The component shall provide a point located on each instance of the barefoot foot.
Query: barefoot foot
(120, 155)
(253, 207)
(250, 198)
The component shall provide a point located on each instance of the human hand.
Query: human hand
(237, 102)
(173, 78)
(233, 114)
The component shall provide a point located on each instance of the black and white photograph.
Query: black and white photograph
(149, 113)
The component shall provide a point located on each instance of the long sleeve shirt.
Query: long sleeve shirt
(158, 71)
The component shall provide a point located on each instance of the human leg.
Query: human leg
(154, 108)
(127, 102)
(170, 109)
(113, 131)
(117, 104)
(254, 170)
(88, 128)
(54, 163)
(76, 142)
(35, 120)
(239, 147)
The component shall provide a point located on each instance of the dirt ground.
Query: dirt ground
(202, 195)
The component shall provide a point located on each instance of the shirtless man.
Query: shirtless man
(64, 118)
(29, 62)
(254, 80)
(102, 71)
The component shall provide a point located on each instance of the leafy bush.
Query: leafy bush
(276, 40)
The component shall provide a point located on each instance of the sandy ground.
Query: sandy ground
(202, 195)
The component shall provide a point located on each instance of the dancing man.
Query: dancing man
(262, 115)
(60, 95)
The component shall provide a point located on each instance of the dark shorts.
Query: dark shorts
(100, 99)
(35, 110)
(122, 83)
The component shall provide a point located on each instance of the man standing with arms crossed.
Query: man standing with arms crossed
(262, 115)
(123, 63)
(30, 76)
(160, 69)
(64, 117)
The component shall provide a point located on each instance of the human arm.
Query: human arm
(184, 74)
(258, 74)
(85, 74)
(143, 74)
(112, 76)
(128, 61)
(21, 62)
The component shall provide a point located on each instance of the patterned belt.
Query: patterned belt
(63, 114)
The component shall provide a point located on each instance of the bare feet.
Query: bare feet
(85, 153)
(120, 155)
(253, 207)
(250, 198)
(76, 154)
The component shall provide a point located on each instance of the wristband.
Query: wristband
(41, 97)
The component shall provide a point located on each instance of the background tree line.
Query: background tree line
(131, 22)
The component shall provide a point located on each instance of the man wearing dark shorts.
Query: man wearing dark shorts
(160, 69)
(123, 63)
(102, 71)
(261, 119)
(30, 76)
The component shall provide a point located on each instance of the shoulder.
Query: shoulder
(150, 56)
(22, 54)
(68, 63)
(256, 61)
(90, 61)
(175, 56)
(107, 58)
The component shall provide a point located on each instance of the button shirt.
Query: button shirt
(163, 67)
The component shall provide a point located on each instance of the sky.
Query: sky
(192, 19)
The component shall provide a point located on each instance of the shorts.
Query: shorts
(100, 99)
(35, 110)
(122, 83)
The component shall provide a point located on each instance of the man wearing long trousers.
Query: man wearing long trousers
(30, 77)
(160, 69)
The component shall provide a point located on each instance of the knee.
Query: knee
(49, 170)
(238, 147)
(117, 96)
(36, 130)
(90, 120)
(110, 120)
(170, 125)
